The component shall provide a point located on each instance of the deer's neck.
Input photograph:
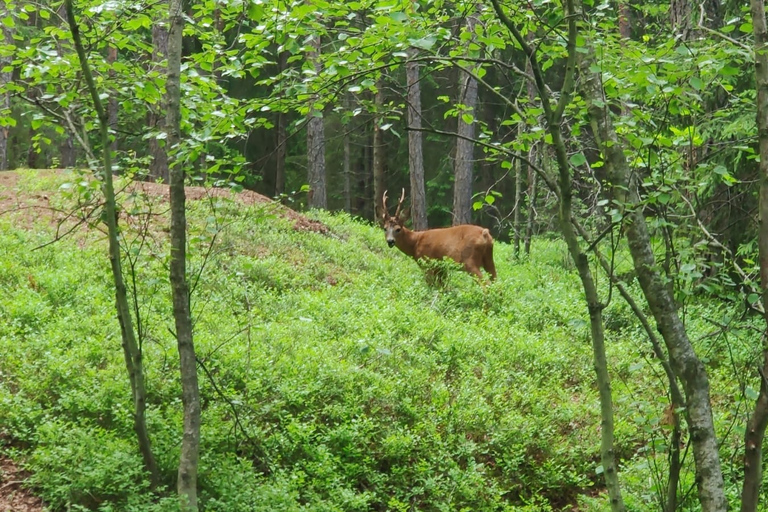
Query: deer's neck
(406, 242)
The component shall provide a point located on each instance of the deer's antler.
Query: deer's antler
(399, 204)
(384, 209)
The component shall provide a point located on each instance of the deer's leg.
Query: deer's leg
(490, 266)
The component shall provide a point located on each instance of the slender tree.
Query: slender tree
(131, 348)
(316, 140)
(758, 421)
(685, 362)
(6, 77)
(281, 134)
(190, 391)
(379, 152)
(463, 175)
(67, 153)
(415, 145)
(518, 214)
(158, 165)
(347, 163)
(553, 114)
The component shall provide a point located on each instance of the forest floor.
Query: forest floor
(14, 497)
(32, 208)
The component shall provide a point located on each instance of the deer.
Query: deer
(468, 245)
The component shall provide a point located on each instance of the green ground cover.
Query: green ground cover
(333, 377)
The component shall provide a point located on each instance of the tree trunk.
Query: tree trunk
(67, 154)
(347, 164)
(282, 137)
(158, 166)
(6, 77)
(379, 154)
(554, 118)
(625, 28)
(190, 391)
(755, 432)
(131, 349)
(462, 185)
(316, 197)
(112, 103)
(530, 218)
(415, 146)
(518, 217)
(685, 362)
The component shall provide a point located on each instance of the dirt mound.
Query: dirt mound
(14, 497)
(247, 197)
(34, 206)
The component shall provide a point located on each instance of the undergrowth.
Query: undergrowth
(333, 377)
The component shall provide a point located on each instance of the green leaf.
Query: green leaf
(477, 205)
(467, 118)
(697, 83)
(577, 159)
(425, 43)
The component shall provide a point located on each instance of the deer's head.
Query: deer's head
(393, 225)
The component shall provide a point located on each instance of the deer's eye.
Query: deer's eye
(397, 230)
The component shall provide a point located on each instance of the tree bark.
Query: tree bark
(685, 362)
(282, 137)
(379, 153)
(347, 164)
(6, 77)
(553, 113)
(131, 348)
(462, 184)
(415, 145)
(190, 391)
(532, 192)
(625, 28)
(758, 421)
(316, 142)
(112, 102)
(518, 217)
(67, 154)
(158, 166)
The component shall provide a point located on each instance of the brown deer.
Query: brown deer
(471, 246)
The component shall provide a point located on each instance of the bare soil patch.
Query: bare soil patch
(13, 496)
(29, 208)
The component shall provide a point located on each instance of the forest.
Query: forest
(200, 310)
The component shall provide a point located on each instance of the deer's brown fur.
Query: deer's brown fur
(471, 246)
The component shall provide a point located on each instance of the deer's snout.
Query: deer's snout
(391, 242)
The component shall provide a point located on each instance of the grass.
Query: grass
(333, 377)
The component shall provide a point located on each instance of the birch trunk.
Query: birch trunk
(553, 113)
(131, 349)
(190, 391)
(685, 363)
(758, 421)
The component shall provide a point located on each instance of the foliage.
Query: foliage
(335, 378)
